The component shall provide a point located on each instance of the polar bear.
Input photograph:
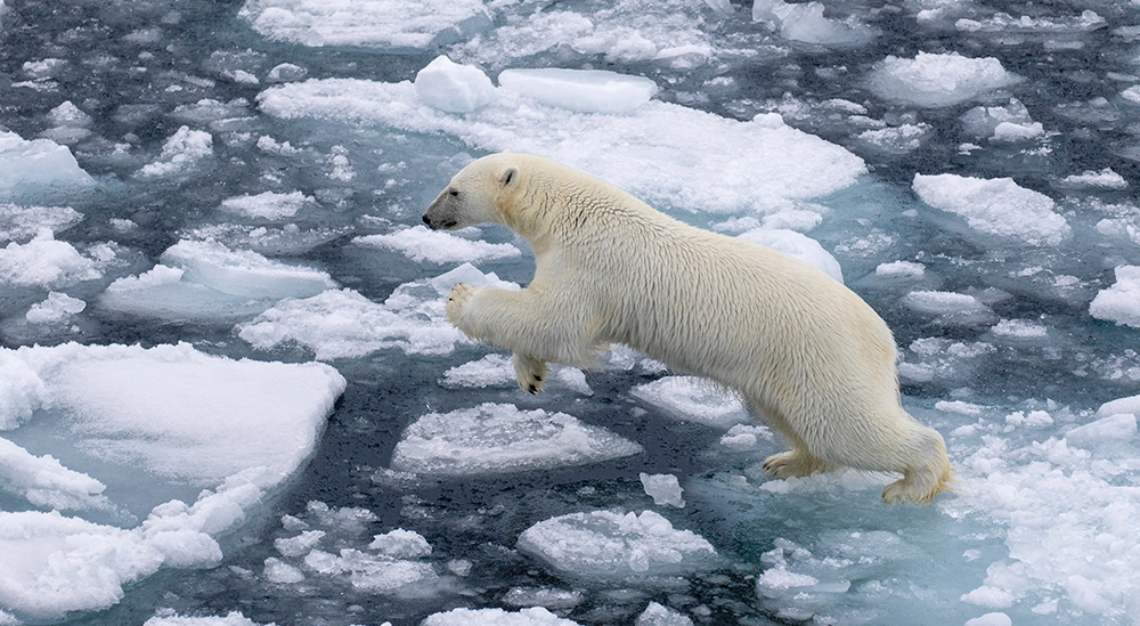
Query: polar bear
(805, 353)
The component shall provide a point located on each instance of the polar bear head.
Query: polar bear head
(484, 191)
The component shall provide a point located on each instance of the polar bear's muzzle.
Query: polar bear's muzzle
(444, 211)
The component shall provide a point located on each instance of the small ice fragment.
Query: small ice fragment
(990, 619)
(401, 544)
(658, 615)
(901, 269)
(1106, 178)
(57, 308)
(182, 151)
(232, 619)
(37, 167)
(663, 488)
(280, 572)
(547, 597)
(300, 544)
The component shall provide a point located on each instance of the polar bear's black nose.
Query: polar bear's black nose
(427, 221)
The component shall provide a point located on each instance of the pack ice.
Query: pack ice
(761, 165)
(117, 461)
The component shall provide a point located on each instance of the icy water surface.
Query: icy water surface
(248, 178)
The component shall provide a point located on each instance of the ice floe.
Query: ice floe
(344, 324)
(267, 205)
(217, 432)
(805, 22)
(47, 262)
(761, 165)
(373, 23)
(501, 438)
(21, 223)
(205, 280)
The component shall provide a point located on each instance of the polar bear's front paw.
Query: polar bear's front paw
(530, 372)
(461, 294)
(792, 464)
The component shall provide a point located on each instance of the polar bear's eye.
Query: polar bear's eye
(454, 193)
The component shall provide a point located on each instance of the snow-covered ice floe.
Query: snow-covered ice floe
(162, 450)
(938, 80)
(998, 207)
(344, 324)
(501, 438)
(371, 23)
(601, 546)
(585, 91)
(805, 22)
(662, 152)
(47, 262)
(205, 280)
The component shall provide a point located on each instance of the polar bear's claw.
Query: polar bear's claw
(530, 373)
(460, 296)
(792, 464)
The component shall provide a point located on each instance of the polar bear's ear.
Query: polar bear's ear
(508, 176)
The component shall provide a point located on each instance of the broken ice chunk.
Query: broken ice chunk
(449, 86)
(1120, 303)
(605, 545)
(663, 488)
(401, 544)
(938, 80)
(181, 152)
(21, 223)
(586, 91)
(500, 438)
(58, 307)
(535, 616)
(38, 168)
(658, 615)
(421, 244)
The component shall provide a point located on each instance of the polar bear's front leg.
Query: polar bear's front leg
(535, 327)
(530, 372)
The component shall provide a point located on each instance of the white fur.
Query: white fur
(806, 353)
